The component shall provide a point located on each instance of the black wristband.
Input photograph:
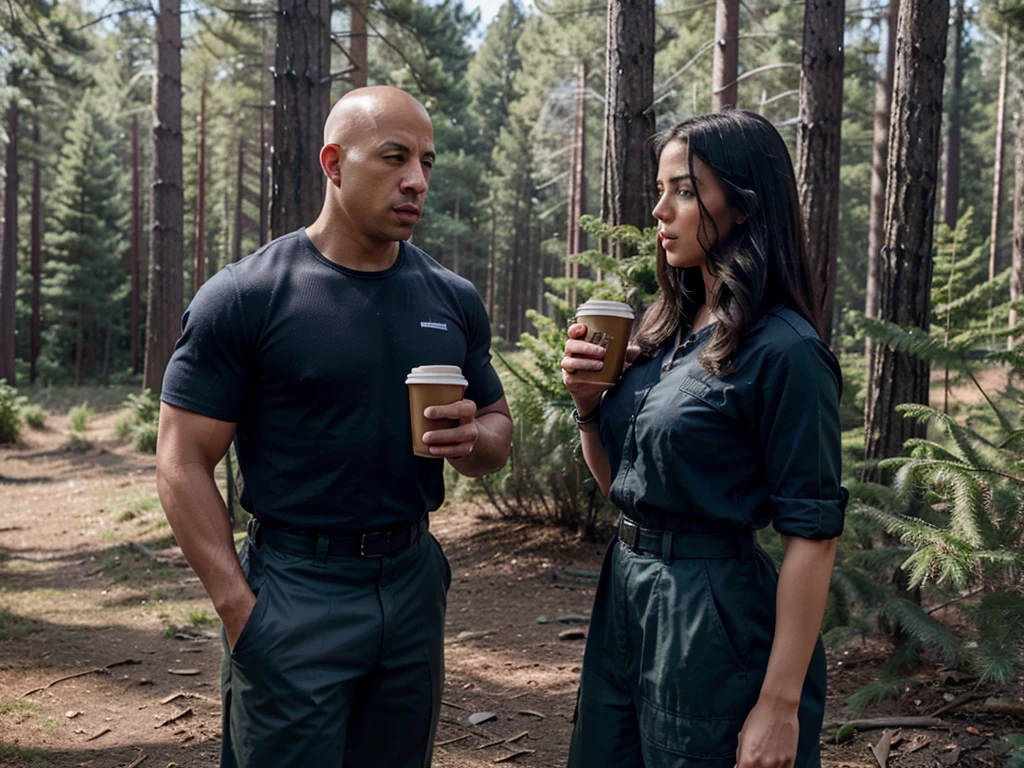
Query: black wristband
(590, 418)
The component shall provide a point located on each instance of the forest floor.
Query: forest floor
(110, 652)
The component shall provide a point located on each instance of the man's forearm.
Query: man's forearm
(800, 606)
(491, 449)
(199, 519)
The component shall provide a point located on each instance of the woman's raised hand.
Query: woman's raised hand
(580, 356)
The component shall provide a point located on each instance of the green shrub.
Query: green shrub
(80, 416)
(35, 416)
(140, 420)
(144, 437)
(10, 413)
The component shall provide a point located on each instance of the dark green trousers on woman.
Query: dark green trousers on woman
(341, 663)
(676, 654)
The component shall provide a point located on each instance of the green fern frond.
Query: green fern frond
(911, 341)
(878, 691)
(925, 629)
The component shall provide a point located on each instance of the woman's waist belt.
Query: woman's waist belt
(674, 545)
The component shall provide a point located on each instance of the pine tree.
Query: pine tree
(86, 243)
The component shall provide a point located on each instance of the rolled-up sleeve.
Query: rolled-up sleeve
(800, 441)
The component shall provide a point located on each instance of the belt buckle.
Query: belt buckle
(362, 546)
(629, 532)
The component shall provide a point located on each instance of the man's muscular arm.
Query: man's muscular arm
(189, 448)
(480, 444)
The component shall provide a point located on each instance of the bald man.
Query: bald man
(333, 610)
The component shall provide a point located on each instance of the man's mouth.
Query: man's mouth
(410, 214)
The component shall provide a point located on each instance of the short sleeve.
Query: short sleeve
(800, 441)
(209, 370)
(484, 385)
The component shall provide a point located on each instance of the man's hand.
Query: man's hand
(236, 617)
(453, 443)
(769, 737)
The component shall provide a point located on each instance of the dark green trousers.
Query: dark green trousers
(674, 662)
(341, 662)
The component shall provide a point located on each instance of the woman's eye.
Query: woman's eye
(685, 193)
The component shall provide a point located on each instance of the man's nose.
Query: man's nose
(415, 180)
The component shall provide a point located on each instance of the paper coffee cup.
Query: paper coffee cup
(432, 385)
(608, 325)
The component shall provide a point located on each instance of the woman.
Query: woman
(699, 654)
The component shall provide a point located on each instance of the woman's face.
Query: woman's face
(680, 230)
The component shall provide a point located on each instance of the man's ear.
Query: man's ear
(330, 161)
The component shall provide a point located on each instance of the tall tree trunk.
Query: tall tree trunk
(134, 254)
(236, 235)
(725, 68)
(879, 160)
(577, 184)
(263, 175)
(951, 187)
(629, 115)
(199, 257)
(36, 259)
(997, 173)
(906, 266)
(492, 242)
(163, 315)
(357, 43)
(818, 145)
(302, 93)
(9, 244)
(1017, 271)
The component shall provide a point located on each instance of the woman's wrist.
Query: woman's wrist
(587, 420)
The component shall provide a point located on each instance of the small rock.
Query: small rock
(572, 634)
(481, 717)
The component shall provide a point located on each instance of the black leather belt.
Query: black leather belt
(323, 545)
(726, 545)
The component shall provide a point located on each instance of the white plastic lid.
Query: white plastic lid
(437, 374)
(605, 308)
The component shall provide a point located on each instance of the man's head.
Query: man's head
(377, 155)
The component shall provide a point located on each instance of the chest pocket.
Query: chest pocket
(713, 396)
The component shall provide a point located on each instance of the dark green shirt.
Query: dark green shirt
(691, 451)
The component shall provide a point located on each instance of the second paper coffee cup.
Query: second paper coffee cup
(608, 325)
(432, 385)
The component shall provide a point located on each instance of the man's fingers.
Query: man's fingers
(461, 410)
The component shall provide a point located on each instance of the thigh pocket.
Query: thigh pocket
(253, 566)
(695, 689)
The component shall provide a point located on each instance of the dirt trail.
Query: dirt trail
(90, 577)
(92, 584)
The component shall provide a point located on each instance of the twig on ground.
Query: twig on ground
(514, 755)
(174, 718)
(79, 674)
(95, 736)
(960, 700)
(453, 706)
(874, 724)
(452, 741)
(136, 762)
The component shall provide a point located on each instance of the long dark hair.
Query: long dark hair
(763, 261)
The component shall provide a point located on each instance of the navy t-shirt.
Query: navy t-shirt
(309, 359)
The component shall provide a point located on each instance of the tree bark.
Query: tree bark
(1017, 271)
(997, 173)
(36, 259)
(629, 115)
(879, 160)
(725, 68)
(818, 146)
(163, 324)
(577, 185)
(236, 234)
(134, 254)
(199, 255)
(9, 245)
(357, 43)
(906, 264)
(302, 94)
(951, 187)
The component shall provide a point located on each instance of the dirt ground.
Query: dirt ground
(110, 657)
